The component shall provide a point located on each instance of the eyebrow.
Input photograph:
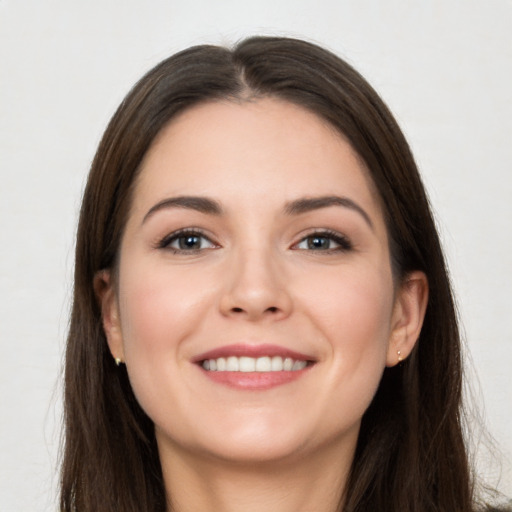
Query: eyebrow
(309, 204)
(296, 207)
(200, 204)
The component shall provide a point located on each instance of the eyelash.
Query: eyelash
(166, 242)
(343, 243)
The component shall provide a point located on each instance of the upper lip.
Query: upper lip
(259, 350)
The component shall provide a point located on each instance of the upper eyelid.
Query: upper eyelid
(337, 236)
(193, 230)
(322, 232)
(170, 237)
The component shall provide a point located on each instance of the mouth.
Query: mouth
(254, 366)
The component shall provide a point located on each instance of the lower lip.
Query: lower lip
(255, 380)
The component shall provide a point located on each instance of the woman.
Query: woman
(262, 315)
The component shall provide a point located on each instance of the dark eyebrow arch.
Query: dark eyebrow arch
(308, 204)
(200, 204)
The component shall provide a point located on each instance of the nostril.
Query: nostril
(272, 309)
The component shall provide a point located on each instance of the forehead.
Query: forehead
(264, 149)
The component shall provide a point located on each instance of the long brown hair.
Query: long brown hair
(411, 454)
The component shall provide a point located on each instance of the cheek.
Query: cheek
(159, 312)
(353, 312)
(354, 308)
(158, 309)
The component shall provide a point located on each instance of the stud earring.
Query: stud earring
(399, 354)
(118, 361)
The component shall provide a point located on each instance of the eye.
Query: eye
(325, 241)
(184, 241)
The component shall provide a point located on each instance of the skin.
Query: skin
(256, 277)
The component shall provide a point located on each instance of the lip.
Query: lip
(261, 350)
(255, 381)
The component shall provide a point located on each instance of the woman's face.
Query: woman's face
(255, 306)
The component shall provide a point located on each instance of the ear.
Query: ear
(106, 296)
(408, 314)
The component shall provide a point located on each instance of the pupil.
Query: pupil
(190, 242)
(318, 243)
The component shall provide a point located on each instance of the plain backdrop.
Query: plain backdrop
(443, 66)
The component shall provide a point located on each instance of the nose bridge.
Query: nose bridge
(256, 286)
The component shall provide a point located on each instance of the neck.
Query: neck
(310, 484)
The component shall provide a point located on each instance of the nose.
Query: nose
(256, 288)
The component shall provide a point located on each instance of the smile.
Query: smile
(254, 367)
(253, 364)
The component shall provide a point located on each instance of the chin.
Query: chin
(271, 440)
(255, 451)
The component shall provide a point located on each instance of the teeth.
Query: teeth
(263, 364)
(247, 364)
(252, 364)
(298, 365)
(232, 364)
(276, 365)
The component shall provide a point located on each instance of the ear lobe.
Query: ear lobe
(408, 315)
(107, 300)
